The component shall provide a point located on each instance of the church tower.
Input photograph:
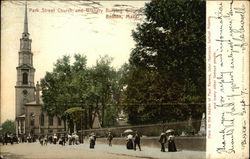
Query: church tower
(25, 87)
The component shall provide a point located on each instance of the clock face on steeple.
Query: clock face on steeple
(25, 92)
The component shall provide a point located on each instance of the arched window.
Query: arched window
(25, 78)
(50, 120)
(42, 120)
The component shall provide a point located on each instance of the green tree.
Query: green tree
(56, 87)
(75, 85)
(66, 86)
(167, 65)
(103, 78)
(8, 127)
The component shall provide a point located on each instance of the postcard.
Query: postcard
(124, 79)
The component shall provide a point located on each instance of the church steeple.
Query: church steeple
(26, 20)
(25, 54)
(25, 28)
(25, 87)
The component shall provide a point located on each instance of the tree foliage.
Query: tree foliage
(167, 66)
(8, 127)
(163, 81)
(71, 86)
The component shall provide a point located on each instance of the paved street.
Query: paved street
(101, 151)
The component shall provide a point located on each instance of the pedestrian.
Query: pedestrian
(171, 143)
(137, 141)
(76, 139)
(70, 139)
(73, 139)
(41, 140)
(92, 140)
(15, 139)
(110, 138)
(63, 140)
(11, 139)
(54, 139)
(130, 145)
(60, 141)
(163, 140)
(23, 138)
(45, 140)
(5, 139)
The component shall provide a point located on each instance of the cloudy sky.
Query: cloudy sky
(64, 28)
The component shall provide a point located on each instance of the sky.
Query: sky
(64, 28)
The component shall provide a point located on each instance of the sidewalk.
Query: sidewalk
(147, 152)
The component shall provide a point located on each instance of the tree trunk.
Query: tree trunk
(90, 123)
(103, 114)
(86, 119)
(65, 127)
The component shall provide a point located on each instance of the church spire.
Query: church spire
(25, 42)
(25, 29)
(26, 19)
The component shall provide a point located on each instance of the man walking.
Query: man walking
(92, 140)
(110, 138)
(137, 141)
(163, 140)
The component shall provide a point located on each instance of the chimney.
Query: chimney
(37, 93)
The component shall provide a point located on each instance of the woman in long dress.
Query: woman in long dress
(171, 143)
(130, 144)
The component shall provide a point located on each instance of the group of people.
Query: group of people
(61, 140)
(8, 138)
(131, 144)
(167, 138)
(132, 141)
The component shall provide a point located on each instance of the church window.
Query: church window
(51, 120)
(25, 78)
(42, 120)
(59, 121)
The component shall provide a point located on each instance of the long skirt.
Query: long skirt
(130, 145)
(92, 144)
(171, 146)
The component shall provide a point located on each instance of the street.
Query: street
(82, 151)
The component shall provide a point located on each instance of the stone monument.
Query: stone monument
(202, 131)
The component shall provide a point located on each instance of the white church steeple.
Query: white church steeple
(25, 87)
